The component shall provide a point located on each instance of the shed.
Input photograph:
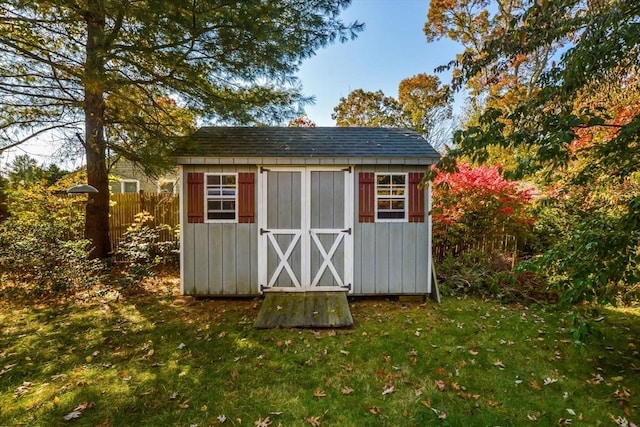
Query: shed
(268, 208)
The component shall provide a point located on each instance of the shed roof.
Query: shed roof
(353, 144)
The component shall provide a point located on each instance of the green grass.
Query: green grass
(157, 360)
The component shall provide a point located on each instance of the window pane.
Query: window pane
(398, 179)
(384, 204)
(397, 204)
(167, 187)
(213, 179)
(384, 179)
(229, 205)
(130, 187)
(222, 215)
(229, 179)
(390, 215)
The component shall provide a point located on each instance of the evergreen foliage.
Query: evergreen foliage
(100, 74)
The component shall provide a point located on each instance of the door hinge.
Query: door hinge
(347, 169)
(262, 231)
(263, 169)
(348, 231)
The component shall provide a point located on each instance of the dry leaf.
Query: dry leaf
(319, 393)
(185, 404)
(314, 421)
(388, 390)
(72, 415)
(493, 403)
(427, 403)
(262, 423)
(346, 390)
(441, 385)
(373, 410)
(534, 384)
(499, 364)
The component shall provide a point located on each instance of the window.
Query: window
(129, 186)
(221, 197)
(167, 186)
(391, 197)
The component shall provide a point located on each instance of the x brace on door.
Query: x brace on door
(327, 256)
(284, 257)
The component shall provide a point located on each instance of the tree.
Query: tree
(576, 129)
(79, 68)
(301, 122)
(367, 109)
(422, 104)
(471, 23)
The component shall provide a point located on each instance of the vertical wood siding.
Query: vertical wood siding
(218, 258)
(221, 259)
(390, 257)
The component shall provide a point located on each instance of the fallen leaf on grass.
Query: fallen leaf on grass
(493, 403)
(498, 364)
(173, 395)
(550, 380)
(314, 421)
(72, 415)
(262, 423)
(564, 421)
(441, 385)
(185, 404)
(373, 410)
(221, 419)
(388, 390)
(346, 390)
(319, 393)
(22, 389)
(535, 385)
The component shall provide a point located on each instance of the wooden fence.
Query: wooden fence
(124, 208)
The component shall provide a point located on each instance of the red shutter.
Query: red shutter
(195, 197)
(246, 197)
(416, 197)
(366, 196)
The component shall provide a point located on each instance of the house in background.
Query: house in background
(301, 208)
(126, 177)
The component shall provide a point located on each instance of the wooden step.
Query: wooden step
(318, 307)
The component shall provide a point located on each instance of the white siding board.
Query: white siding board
(396, 273)
(381, 267)
(229, 259)
(409, 261)
(368, 256)
(188, 268)
(245, 259)
(201, 258)
(215, 258)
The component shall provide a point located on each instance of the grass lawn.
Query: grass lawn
(155, 359)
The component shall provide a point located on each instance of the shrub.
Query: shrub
(37, 257)
(140, 251)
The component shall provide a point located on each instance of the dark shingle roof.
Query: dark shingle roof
(306, 142)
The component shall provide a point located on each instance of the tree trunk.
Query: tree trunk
(97, 212)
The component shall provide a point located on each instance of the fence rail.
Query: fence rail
(125, 207)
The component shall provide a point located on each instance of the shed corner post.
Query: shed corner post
(182, 199)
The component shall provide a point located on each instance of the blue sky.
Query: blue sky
(392, 47)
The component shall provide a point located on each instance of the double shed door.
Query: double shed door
(305, 219)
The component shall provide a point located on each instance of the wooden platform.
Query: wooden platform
(321, 307)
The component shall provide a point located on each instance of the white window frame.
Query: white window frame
(162, 181)
(406, 197)
(123, 182)
(207, 197)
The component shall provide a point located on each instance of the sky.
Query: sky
(391, 47)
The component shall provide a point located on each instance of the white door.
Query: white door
(305, 218)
